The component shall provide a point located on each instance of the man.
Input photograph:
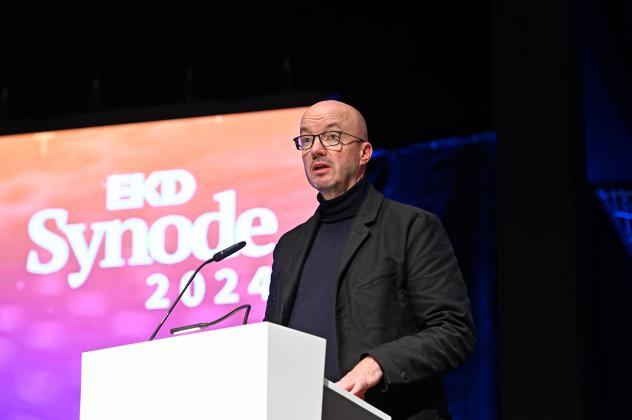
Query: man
(376, 278)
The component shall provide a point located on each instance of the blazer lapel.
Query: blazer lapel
(296, 264)
(360, 230)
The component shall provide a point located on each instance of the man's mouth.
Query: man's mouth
(320, 167)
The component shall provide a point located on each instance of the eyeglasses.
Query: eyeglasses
(327, 139)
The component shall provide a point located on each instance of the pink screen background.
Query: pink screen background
(47, 321)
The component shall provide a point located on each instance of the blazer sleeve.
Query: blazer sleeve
(438, 296)
(272, 310)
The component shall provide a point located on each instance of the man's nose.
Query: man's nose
(317, 148)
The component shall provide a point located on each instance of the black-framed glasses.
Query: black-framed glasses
(327, 139)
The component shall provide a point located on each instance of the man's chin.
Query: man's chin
(322, 183)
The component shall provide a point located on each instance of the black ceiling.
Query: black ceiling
(419, 71)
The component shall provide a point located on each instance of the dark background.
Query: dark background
(552, 79)
(416, 72)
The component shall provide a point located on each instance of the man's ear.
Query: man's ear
(366, 150)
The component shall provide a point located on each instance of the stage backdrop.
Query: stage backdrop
(102, 226)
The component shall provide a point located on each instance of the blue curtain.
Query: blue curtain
(455, 178)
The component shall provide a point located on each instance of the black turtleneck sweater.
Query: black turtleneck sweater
(314, 306)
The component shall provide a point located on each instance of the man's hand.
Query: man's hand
(363, 376)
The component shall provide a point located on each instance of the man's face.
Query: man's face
(334, 170)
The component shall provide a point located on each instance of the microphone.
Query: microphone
(202, 325)
(228, 251)
(217, 257)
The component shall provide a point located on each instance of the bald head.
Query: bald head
(347, 116)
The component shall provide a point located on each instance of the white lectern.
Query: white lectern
(253, 372)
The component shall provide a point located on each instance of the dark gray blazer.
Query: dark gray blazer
(401, 298)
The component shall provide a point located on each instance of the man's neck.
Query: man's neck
(345, 205)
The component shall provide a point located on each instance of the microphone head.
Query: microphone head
(228, 251)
